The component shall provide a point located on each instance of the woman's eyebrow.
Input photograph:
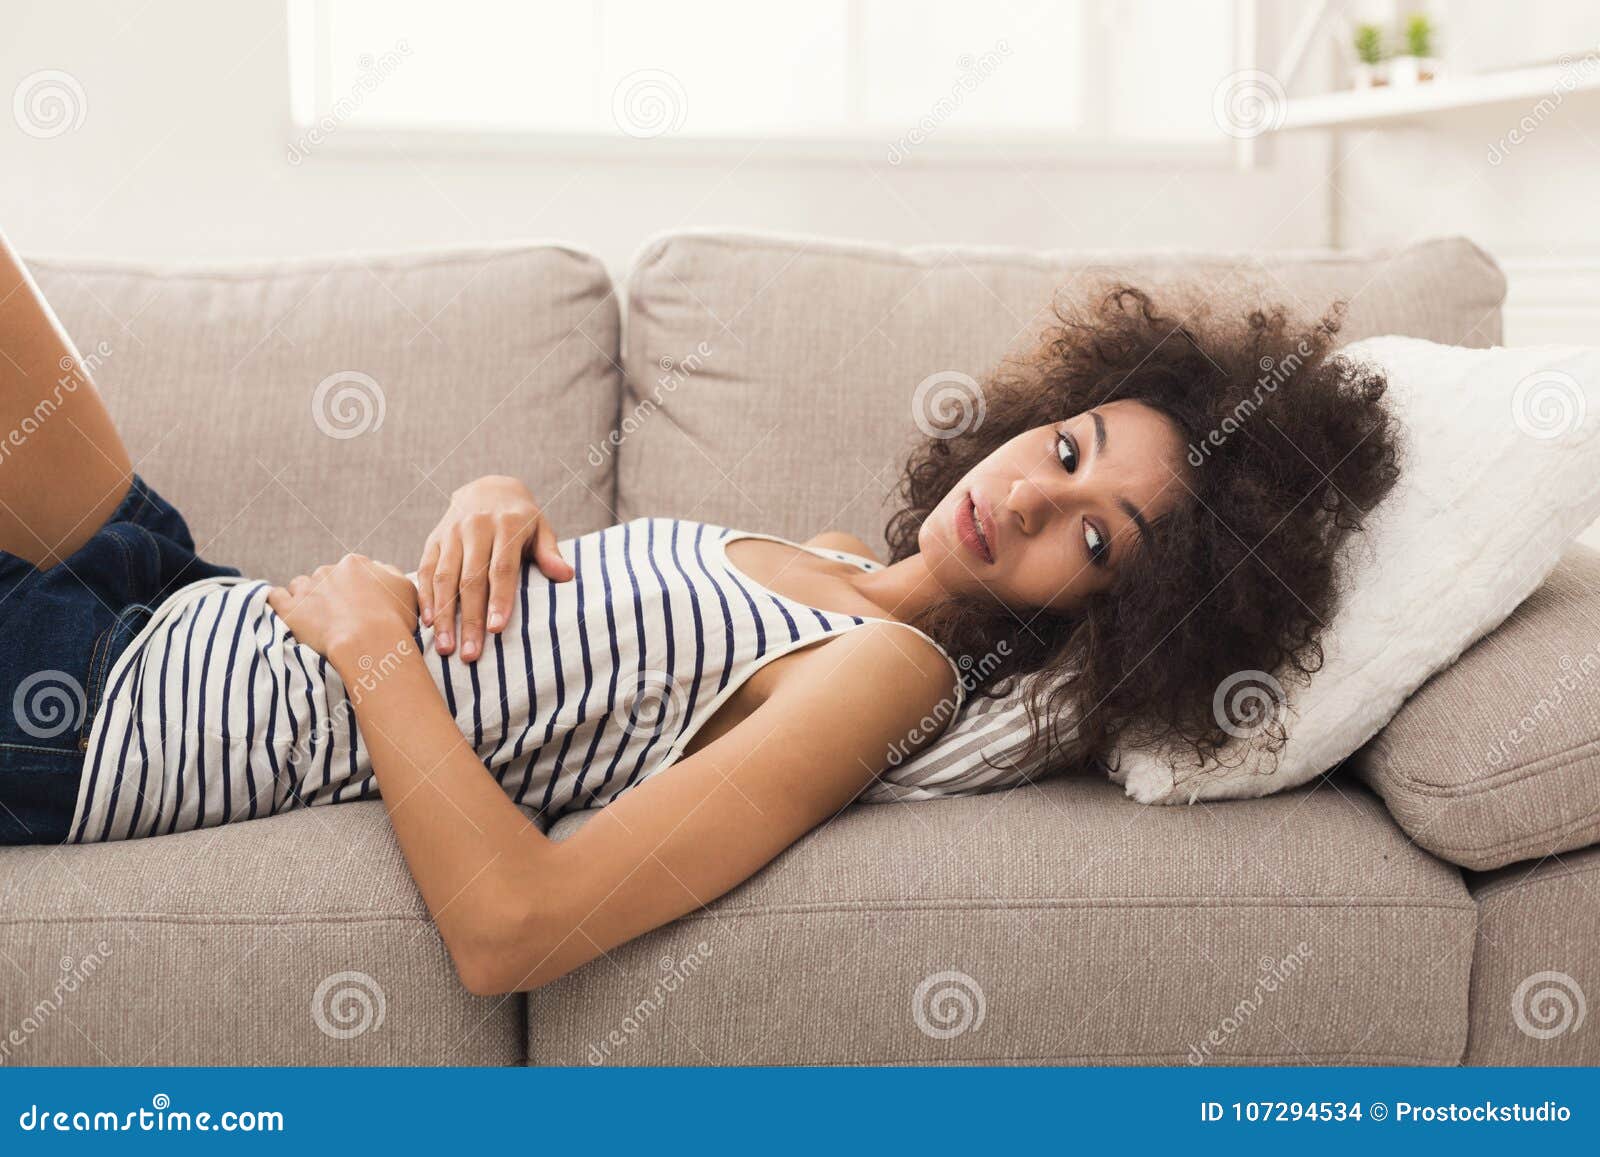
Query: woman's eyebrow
(1128, 508)
(1132, 512)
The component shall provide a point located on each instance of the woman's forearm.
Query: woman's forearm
(468, 846)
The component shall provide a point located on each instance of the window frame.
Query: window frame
(308, 73)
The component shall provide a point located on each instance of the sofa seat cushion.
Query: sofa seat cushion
(1496, 759)
(1536, 974)
(296, 940)
(771, 380)
(1051, 924)
(301, 410)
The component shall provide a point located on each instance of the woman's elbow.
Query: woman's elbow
(512, 950)
(480, 973)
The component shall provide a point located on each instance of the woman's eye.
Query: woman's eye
(1067, 451)
(1096, 542)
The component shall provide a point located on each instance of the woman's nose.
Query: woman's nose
(1032, 504)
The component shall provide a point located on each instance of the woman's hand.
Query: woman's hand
(349, 611)
(475, 555)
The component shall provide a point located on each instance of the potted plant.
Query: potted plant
(1368, 69)
(1418, 64)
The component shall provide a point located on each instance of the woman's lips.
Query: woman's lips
(968, 529)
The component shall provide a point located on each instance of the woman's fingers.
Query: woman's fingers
(446, 582)
(547, 555)
(279, 600)
(477, 548)
(505, 571)
(425, 569)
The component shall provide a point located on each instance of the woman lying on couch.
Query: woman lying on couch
(1146, 506)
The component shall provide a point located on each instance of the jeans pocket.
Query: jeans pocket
(107, 648)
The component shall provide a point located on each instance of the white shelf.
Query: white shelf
(1390, 103)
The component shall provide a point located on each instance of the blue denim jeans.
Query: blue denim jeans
(61, 630)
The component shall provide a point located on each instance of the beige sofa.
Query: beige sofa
(765, 383)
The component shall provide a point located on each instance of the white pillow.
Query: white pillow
(1501, 472)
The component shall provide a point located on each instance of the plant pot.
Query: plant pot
(1368, 76)
(1413, 69)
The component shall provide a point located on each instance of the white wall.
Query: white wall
(182, 156)
(1533, 206)
(1519, 179)
(1534, 209)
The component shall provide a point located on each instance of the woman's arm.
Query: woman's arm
(518, 910)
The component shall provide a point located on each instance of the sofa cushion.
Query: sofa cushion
(1536, 971)
(295, 940)
(300, 410)
(1497, 758)
(1053, 924)
(770, 379)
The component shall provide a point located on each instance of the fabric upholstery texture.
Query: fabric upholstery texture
(1085, 929)
(269, 943)
(1536, 968)
(441, 367)
(1497, 758)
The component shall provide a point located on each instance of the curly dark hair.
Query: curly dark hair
(1289, 446)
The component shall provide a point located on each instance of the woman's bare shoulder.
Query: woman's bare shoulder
(828, 683)
(839, 540)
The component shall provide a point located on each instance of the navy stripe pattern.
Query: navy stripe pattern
(216, 713)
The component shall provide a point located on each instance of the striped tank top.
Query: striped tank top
(215, 713)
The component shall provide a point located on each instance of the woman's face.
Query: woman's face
(1046, 520)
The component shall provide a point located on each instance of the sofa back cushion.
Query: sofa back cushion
(770, 381)
(1497, 758)
(299, 411)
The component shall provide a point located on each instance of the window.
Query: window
(892, 76)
